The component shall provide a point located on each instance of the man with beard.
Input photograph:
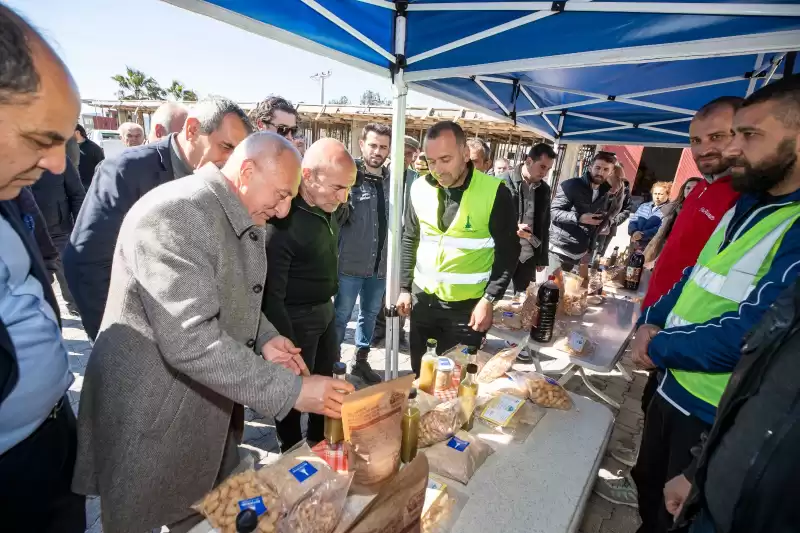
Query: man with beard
(364, 222)
(750, 258)
(459, 247)
(710, 131)
(577, 211)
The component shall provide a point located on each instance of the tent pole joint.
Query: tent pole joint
(611, 98)
(401, 7)
(558, 6)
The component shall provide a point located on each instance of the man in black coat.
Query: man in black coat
(303, 274)
(212, 131)
(90, 156)
(532, 199)
(577, 210)
(38, 105)
(59, 197)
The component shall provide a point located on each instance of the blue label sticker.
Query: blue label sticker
(457, 444)
(508, 314)
(256, 504)
(303, 471)
(550, 380)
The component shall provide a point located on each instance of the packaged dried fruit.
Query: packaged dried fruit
(500, 363)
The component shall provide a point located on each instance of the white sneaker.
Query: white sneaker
(621, 491)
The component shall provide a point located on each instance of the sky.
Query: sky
(99, 38)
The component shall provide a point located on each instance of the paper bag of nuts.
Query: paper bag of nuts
(319, 510)
(544, 391)
(236, 493)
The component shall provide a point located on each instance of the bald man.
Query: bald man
(38, 105)
(168, 118)
(303, 275)
(132, 134)
(183, 344)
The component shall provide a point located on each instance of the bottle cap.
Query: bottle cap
(472, 350)
(412, 393)
(432, 343)
(339, 369)
(551, 277)
(444, 364)
(472, 368)
(246, 521)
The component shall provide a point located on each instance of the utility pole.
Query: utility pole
(321, 77)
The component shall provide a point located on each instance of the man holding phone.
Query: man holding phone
(577, 211)
(532, 199)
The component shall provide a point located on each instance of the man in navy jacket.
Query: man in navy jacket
(211, 132)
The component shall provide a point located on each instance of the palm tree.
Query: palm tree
(136, 85)
(181, 93)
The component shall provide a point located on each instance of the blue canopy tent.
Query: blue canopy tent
(577, 71)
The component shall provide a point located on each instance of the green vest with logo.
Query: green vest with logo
(455, 264)
(721, 281)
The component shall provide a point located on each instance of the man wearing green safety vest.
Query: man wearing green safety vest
(459, 247)
(752, 256)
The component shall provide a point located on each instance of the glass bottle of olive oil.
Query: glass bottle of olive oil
(408, 448)
(468, 392)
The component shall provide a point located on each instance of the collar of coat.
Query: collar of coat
(237, 215)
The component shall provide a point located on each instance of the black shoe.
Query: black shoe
(73, 310)
(361, 369)
(378, 338)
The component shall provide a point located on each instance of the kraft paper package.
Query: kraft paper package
(443, 505)
(372, 421)
(397, 508)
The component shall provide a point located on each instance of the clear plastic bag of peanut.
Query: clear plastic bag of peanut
(544, 391)
(294, 475)
(319, 510)
(236, 493)
(575, 296)
(507, 319)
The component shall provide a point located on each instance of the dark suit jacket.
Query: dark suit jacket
(118, 183)
(59, 197)
(541, 214)
(9, 371)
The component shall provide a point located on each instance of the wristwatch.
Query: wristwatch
(489, 298)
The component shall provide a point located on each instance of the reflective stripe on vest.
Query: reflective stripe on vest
(721, 281)
(455, 264)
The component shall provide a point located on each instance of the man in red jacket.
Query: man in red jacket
(710, 133)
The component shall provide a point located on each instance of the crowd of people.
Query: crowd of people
(216, 266)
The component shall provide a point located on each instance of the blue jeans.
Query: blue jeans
(370, 293)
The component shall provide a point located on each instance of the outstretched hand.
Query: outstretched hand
(282, 351)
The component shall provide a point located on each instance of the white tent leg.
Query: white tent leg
(399, 92)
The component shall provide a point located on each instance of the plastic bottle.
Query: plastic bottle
(246, 521)
(472, 358)
(408, 448)
(334, 432)
(613, 259)
(633, 274)
(427, 371)
(542, 330)
(468, 390)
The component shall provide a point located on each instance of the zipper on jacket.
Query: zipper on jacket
(318, 215)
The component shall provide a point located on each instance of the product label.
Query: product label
(256, 504)
(551, 381)
(303, 471)
(457, 444)
(500, 410)
(576, 341)
(632, 274)
(508, 314)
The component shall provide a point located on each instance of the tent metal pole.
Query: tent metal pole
(398, 174)
(524, 91)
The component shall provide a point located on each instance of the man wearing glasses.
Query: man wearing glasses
(276, 114)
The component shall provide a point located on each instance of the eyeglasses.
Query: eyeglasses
(283, 130)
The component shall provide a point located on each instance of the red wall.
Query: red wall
(687, 168)
(629, 157)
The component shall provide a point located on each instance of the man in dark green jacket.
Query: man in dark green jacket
(302, 278)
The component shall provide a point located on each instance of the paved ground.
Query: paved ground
(260, 439)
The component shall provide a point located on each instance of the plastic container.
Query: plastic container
(547, 298)
(444, 374)
(633, 274)
(575, 295)
(427, 371)
(408, 449)
(334, 432)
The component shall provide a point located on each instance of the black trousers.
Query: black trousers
(665, 453)
(448, 326)
(315, 333)
(35, 479)
(523, 275)
(556, 261)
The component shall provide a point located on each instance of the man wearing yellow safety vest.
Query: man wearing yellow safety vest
(459, 247)
(752, 256)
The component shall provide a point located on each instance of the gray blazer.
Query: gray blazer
(175, 355)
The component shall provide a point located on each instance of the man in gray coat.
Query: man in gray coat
(161, 410)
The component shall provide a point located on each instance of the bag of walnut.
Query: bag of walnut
(442, 421)
(319, 510)
(238, 492)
